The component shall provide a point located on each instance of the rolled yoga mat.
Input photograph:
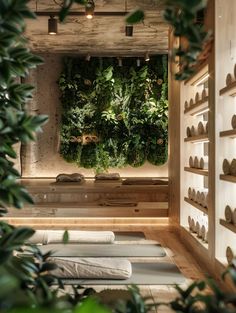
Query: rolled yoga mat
(104, 250)
(91, 268)
(161, 273)
(75, 236)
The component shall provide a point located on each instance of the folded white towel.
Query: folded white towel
(75, 236)
(93, 268)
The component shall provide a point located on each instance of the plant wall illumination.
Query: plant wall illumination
(114, 115)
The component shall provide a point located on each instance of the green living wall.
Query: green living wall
(114, 116)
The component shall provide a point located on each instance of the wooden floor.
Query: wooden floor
(176, 251)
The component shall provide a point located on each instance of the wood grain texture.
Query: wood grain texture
(174, 138)
(103, 34)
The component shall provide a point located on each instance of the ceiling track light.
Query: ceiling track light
(147, 58)
(52, 25)
(89, 9)
(129, 30)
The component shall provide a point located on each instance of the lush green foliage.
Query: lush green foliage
(124, 107)
(15, 124)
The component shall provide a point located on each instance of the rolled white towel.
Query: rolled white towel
(93, 268)
(75, 236)
(39, 237)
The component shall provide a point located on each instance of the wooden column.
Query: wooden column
(174, 139)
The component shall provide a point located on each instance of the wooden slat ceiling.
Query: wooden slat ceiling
(103, 35)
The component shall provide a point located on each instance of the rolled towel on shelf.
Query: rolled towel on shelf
(193, 226)
(226, 167)
(91, 268)
(191, 103)
(198, 197)
(196, 162)
(230, 254)
(233, 167)
(189, 222)
(198, 228)
(203, 163)
(191, 161)
(75, 236)
(229, 79)
(197, 97)
(228, 214)
(233, 121)
(201, 128)
(190, 193)
(204, 93)
(194, 195)
(188, 132)
(204, 199)
(193, 131)
(234, 216)
(203, 232)
(186, 106)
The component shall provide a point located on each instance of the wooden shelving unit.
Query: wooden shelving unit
(196, 139)
(196, 205)
(228, 178)
(194, 146)
(229, 226)
(231, 133)
(198, 108)
(229, 90)
(197, 240)
(196, 171)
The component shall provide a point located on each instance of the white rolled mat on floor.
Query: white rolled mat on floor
(75, 236)
(92, 268)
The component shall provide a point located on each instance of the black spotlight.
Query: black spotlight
(52, 25)
(129, 30)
